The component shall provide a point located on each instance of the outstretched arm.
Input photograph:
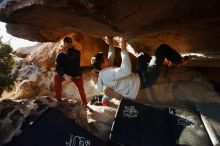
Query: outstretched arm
(123, 44)
(122, 71)
(126, 62)
(111, 50)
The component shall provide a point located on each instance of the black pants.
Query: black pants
(150, 71)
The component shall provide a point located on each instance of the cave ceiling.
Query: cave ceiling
(190, 26)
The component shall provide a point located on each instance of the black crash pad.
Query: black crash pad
(140, 125)
(52, 128)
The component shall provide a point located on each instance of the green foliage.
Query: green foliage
(7, 78)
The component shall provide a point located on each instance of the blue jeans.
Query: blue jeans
(149, 72)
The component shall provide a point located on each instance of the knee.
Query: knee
(163, 46)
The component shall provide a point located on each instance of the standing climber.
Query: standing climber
(68, 68)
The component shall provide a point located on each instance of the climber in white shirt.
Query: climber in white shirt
(122, 80)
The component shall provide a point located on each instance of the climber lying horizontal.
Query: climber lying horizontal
(121, 79)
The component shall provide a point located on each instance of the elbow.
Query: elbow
(127, 69)
(127, 72)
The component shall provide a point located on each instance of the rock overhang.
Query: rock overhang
(188, 26)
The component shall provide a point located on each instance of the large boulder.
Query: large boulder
(23, 52)
(27, 89)
(33, 80)
(189, 26)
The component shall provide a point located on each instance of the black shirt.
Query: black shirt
(69, 63)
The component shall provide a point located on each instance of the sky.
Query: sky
(14, 41)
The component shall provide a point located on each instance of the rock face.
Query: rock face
(27, 88)
(189, 26)
(33, 81)
(23, 52)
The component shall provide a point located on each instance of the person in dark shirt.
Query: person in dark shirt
(68, 68)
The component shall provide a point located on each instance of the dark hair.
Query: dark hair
(97, 60)
(67, 40)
